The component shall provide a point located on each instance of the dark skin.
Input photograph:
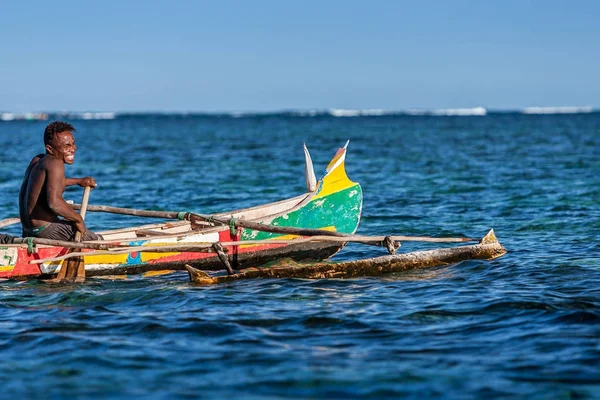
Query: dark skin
(41, 197)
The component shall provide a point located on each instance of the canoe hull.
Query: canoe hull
(305, 252)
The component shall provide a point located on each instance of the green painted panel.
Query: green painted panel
(341, 209)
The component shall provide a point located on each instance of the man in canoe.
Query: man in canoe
(41, 201)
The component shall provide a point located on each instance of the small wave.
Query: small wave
(579, 317)
(449, 112)
(29, 116)
(339, 112)
(441, 112)
(35, 116)
(92, 115)
(557, 110)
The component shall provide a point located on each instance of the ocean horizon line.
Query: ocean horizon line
(316, 112)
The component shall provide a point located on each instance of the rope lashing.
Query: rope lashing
(232, 229)
(181, 215)
(30, 246)
(390, 244)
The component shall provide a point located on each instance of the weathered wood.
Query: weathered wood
(150, 232)
(489, 248)
(97, 245)
(129, 211)
(218, 248)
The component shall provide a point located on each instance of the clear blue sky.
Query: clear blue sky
(274, 54)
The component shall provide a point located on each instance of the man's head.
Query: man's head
(59, 142)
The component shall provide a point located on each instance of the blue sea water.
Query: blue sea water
(526, 325)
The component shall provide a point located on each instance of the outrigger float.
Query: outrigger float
(248, 243)
(488, 248)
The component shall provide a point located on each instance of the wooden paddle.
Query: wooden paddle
(73, 269)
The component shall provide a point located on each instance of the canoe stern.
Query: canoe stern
(336, 205)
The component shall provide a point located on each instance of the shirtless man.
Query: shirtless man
(41, 201)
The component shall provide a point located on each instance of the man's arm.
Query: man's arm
(83, 182)
(55, 186)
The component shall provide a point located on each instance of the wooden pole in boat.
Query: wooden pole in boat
(9, 221)
(64, 243)
(131, 211)
(241, 223)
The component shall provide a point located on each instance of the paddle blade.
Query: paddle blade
(71, 270)
(74, 270)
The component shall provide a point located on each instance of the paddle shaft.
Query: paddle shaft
(74, 270)
(84, 207)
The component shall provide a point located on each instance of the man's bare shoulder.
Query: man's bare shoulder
(48, 162)
(36, 159)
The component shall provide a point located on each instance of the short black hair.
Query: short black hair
(54, 128)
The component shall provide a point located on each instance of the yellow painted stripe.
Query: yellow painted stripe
(106, 259)
(155, 256)
(156, 273)
(334, 182)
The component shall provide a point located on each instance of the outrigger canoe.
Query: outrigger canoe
(333, 203)
(268, 241)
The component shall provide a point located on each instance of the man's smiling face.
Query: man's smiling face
(63, 147)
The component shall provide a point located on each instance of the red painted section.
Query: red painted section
(224, 236)
(24, 268)
(6, 274)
